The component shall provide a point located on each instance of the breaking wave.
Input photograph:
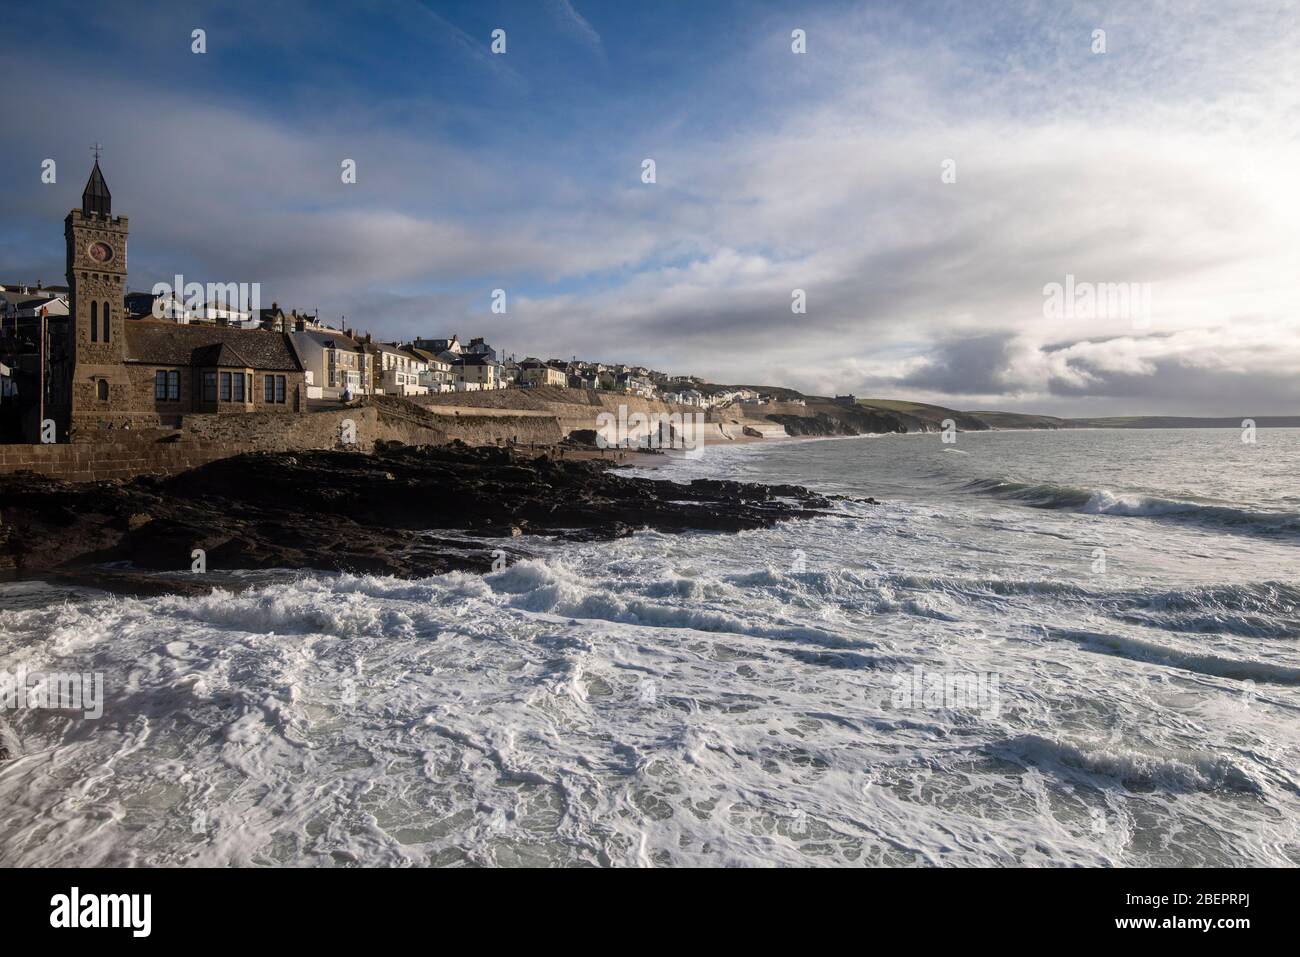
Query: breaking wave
(1269, 609)
(1135, 505)
(1133, 768)
(1198, 662)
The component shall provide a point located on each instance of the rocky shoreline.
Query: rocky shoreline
(401, 510)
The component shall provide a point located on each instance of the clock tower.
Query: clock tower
(96, 258)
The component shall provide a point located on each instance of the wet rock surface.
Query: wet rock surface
(403, 511)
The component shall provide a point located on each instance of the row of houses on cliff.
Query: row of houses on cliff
(91, 356)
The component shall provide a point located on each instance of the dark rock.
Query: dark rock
(845, 421)
(338, 510)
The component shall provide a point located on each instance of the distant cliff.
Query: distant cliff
(823, 416)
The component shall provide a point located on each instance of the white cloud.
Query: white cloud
(1169, 161)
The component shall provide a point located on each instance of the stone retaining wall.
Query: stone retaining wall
(117, 459)
(203, 438)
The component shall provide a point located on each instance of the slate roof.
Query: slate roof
(474, 359)
(442, 345)
(332, 337)
(32, 303)
(158, 342)
(219, 354)
(427, 356)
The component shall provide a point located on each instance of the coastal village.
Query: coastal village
(81, 361)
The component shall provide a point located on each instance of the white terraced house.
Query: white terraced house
(437, 375)
(335, 363)
(398, 370)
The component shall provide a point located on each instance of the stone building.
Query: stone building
(145, 373)
(177, 369)
(535, 372)
(475, 372)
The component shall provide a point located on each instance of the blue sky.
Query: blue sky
(1165, 161)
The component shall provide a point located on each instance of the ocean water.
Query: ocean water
(1044, 648)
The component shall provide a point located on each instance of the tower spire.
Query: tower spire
(96, 198)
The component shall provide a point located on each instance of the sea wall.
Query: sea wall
(205, 438)
(541, 415)
(127, 456)
(276, 432)
(121, 458)
(524, 417)
(502, 429)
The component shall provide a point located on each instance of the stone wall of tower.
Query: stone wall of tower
(98, 286)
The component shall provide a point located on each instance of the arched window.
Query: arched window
(94, 322)
(102, 386)
(107, 325)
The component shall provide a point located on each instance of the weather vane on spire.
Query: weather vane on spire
(97, 147)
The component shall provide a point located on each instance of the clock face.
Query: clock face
(100, 252)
